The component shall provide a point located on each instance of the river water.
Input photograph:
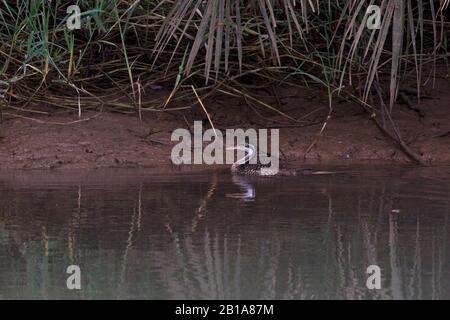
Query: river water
(137, 234)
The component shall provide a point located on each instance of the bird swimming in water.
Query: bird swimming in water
(244, 167)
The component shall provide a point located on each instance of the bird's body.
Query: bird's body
(263, 170)
(244, 167)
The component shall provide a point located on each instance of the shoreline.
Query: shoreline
(113, 140)
(120, 141)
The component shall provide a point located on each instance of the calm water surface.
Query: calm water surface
(207, 235)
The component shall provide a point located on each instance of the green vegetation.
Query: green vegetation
(125, 47)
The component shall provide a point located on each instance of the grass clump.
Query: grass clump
(126, 46)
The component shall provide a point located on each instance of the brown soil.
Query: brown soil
(116, 140)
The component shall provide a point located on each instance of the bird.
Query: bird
(244, 167)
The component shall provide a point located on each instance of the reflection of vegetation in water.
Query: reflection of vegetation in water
(187, 240)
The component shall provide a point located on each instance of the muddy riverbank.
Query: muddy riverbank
(99, 140)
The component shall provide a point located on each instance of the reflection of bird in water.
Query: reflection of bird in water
(244, 167)
(248, 190)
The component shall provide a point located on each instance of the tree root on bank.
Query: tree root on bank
(399, 141)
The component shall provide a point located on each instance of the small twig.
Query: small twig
(441, 135)
(319, 135)
(204, 109)
(52, 123)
